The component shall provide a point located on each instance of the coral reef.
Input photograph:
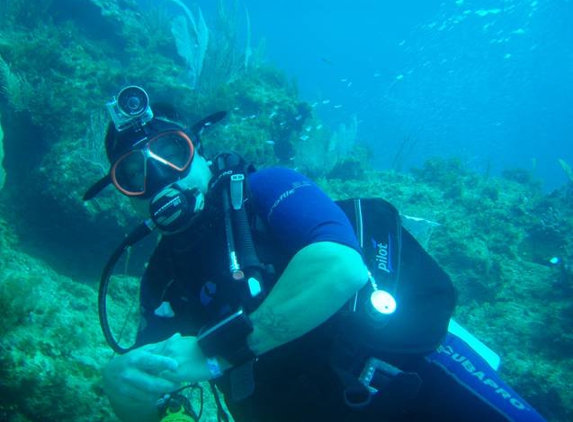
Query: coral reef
(51, 346)
(507, 245)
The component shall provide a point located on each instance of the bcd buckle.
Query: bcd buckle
(380, 379)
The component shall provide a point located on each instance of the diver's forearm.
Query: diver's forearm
(317, 282)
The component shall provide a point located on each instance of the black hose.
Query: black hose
(102, 296)
(245, 243)
(135, 236)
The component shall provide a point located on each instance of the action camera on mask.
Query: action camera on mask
(129, 108)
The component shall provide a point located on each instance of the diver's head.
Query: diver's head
(150, 149)
(151, 154)
(158, 165)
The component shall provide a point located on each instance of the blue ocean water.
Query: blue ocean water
(489, 81)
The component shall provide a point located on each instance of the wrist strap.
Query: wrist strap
(239, 354)
(228, 339)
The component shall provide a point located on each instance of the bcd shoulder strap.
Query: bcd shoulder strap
(424, 293)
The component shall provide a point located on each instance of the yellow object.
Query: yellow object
(177, 416)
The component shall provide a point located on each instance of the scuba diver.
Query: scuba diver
(293, 306)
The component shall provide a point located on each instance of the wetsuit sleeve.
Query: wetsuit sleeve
(297, 211)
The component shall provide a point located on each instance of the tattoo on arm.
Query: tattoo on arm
(274, 325)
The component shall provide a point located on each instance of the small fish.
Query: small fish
(308, 128)
(326, 102)
(313, 105)
(282, 123)
(253, 116)
(399, 77)
(297, 118)
(273, 114)
(270, 142)
(319, 127)
(483, 12)
(207, 124)
(344, 80)
(338, 106)
(349, 84)
(236, 108)
(304, 138)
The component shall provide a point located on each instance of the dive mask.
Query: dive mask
(153, 164)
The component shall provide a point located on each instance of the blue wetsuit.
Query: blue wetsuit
(296, 382)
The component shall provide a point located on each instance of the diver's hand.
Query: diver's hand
(192, 363)
(135, 381)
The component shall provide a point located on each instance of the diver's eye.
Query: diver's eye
(130, 171)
